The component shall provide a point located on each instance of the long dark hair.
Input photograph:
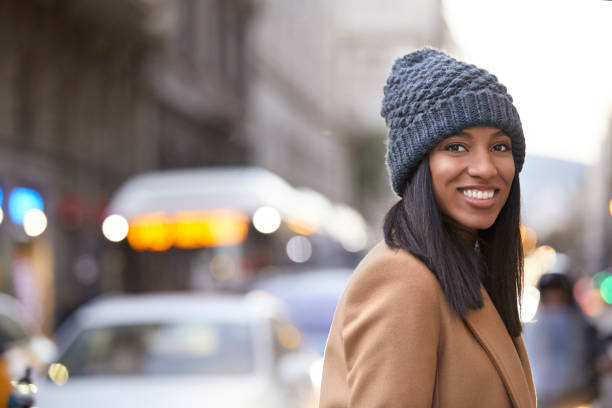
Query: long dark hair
(415, 224)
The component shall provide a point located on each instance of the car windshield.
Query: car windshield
(161, 349)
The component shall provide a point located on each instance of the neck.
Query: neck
(469, 236)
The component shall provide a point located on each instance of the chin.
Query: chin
(481, 224)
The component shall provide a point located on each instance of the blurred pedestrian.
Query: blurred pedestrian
(430, 317)
(564, 348)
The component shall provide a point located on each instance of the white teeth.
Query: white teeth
(479, 194)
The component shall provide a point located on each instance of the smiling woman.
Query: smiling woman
(430, 316)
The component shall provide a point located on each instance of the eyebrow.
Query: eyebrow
(469, 135)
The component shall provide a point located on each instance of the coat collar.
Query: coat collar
(507, 355)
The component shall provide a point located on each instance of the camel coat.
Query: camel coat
(395, 342)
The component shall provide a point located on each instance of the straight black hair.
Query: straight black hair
(415, 224)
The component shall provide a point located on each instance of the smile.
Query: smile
(478, 194)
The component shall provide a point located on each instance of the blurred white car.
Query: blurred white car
(183, 350)
(310, 298)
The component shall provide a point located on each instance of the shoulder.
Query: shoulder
(392, 277)
(384, 266)
(386, 329)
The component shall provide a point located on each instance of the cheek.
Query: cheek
(433, 172)
(441, 194)
(443, 171)
(507, 172)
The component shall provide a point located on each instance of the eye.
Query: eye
(501, 147)
(455, 147)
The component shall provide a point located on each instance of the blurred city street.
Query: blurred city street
(187, 185)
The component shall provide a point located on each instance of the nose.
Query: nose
(482, 164)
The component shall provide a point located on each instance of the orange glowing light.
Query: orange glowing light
(588, 297)
(582, 287)
(151, 232)
(227, 227)
(159, 232)
(610, 207)
(301, 227)
(529, 239)
(591, 303)
(289, 337)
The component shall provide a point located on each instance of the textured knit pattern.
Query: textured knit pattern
(430, 96)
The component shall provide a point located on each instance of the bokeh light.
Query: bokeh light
(222, 267)
(266, 220)
(588, 297)
(299, 249)
(160, 231)
(581, 287)
(151, 231)
(540, 261)
(599, 277)
(25, 389)
(316, 373)
(289, 337)
(547, 256)
(606, 289)
(592, 304)
(529, 239)
(58, 373)
(21, 200)
(532, 271)
(300, 226)
(529, 303)
(348, 227)
(115, 228)
(34, 222)
(310, 211)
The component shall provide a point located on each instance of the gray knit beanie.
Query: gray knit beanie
(430, 96)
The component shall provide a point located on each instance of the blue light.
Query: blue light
(21, 200)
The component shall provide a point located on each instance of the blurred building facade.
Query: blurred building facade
(597, 213)
(605, 160)
(92, 92)
(598, 218)
(316, 74)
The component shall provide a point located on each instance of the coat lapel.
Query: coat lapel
(488, 328)
(522, 353)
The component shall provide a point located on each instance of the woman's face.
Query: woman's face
(472, 173)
